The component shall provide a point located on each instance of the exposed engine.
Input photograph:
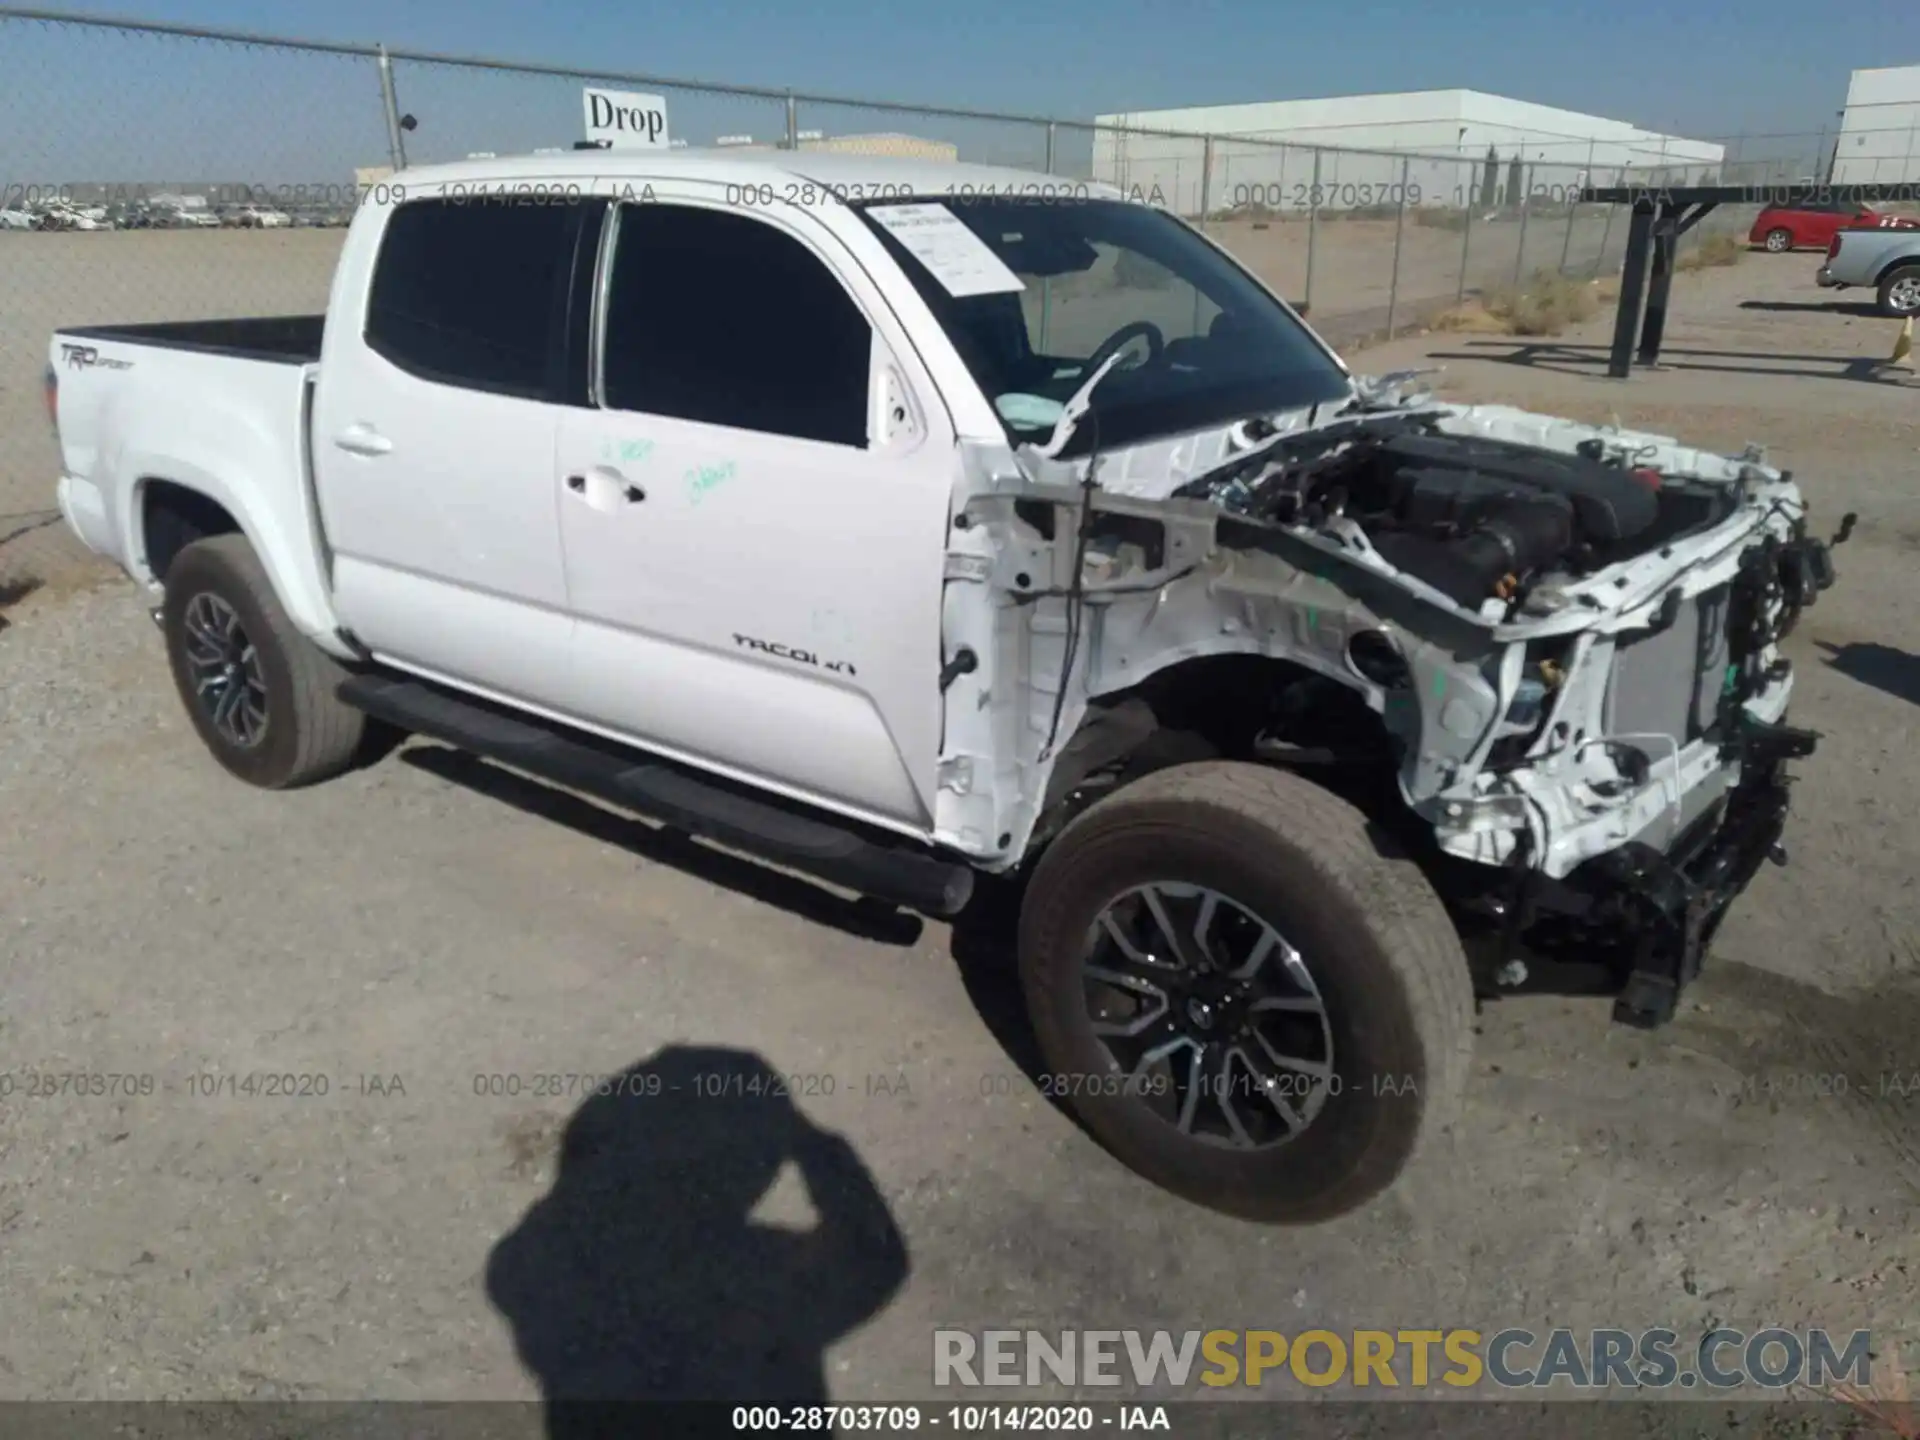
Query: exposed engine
(1475, 518)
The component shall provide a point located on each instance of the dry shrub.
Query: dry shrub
(1546, 305)
(1714, 252)
(1472, 318)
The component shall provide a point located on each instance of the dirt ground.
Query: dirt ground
(430, 935)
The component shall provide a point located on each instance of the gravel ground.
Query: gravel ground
(431, 928)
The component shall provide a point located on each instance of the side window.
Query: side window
(471, 292)
(724, 319)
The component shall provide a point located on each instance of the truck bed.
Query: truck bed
(287, 339)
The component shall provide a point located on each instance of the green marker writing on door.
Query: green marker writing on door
(703, 478)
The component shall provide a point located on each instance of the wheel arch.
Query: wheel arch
(174, 502)
(1213, 705)
(1899, 262)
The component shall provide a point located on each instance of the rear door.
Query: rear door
(433, 438)
(754, 514)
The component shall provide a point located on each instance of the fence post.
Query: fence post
(1052, 129)
(1466, 244)
(1399, 226)
(1526, 198)
(1573, 209)
(396, 146)
(1606, 234)
(793, 123)
(1313, 227)
(1206, 187)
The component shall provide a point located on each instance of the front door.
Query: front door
(754, 514)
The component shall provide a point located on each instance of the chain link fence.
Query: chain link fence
(155, 172)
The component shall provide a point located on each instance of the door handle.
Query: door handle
(630, 492)
(362, 440)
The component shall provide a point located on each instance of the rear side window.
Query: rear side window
(724, 319)
(473, 292)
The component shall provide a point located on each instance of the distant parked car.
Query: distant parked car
(1812, 226)
(62, 216)
(16, 220)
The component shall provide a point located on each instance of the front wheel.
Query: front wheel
(1241, 996)
(258, 692)
(1900, 291)
(1779, 240)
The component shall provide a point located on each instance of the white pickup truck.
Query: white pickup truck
(900, 523)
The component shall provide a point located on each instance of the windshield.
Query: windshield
(1070, 282)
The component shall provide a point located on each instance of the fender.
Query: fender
(249, 458)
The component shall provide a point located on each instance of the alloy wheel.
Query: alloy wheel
(225, 670)
(1211, 1015)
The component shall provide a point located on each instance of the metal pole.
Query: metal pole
(1665, 244)
(1573, 211)
(396, 147)
(1520, 250)
(1206, 206)
(1466, 246)
(793, 123)
(1051, 129)
(1313, 228)
(1399, 227)
(1606, 234)
(1206, 188)
(1633, 282)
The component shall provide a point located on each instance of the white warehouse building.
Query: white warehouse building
(1880, 129)
(1451, 147)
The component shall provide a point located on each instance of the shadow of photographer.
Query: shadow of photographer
(643, 1275)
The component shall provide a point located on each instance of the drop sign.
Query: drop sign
(625, 120)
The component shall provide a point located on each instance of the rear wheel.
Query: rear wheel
(1779, 239)
(1241, 996)
(259, 693)
(1900, 291)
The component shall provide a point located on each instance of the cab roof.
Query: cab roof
(883, 175)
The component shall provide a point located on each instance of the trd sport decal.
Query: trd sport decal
(82, 357)
(788, 652)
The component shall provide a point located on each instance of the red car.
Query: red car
(1813, 225)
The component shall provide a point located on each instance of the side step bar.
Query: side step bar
(668, 793)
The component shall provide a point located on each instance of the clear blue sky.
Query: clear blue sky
(1718, 69)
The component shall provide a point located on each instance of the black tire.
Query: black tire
(308, 734)
(1779, 240)
(1900, 291)
(1383, 954)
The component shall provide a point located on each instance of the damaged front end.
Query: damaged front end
(1564, 639)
